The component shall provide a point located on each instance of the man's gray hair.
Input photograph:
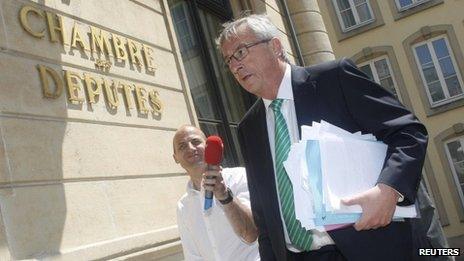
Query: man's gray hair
(259, 25)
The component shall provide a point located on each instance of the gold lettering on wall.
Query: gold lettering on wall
(55, 24)
(135, 52)
(24, 19)
(155, 101)
(73, 82)
(99, 41)
(119, 47)
(76, 38)
(140, 94)
(110, 48)
(111, 93)
(102, 64)
(93, 87)
(127, 94)
(149, 59)
(45, 73)
(94, 39)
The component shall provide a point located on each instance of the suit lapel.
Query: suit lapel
(265, 180)
(265, 156)
(304, 96)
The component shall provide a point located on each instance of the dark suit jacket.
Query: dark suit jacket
(337, 92)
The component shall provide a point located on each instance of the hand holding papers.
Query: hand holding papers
(330, 164)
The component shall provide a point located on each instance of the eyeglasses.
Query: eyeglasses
(242, 52)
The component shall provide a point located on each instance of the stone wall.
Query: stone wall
(91, 93)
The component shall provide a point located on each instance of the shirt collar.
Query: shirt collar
(285, 88)
(191, 190)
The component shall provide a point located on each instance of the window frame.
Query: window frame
(342, 35)
(183, 6)
(454, 131)
(413, 9)
(371, 63)
(437, 67)
(453, 170)
(414, 4)
(222, 123)
(424, 33)
(368, 53)
(355, 15)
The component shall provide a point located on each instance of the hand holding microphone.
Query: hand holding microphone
(213, 156)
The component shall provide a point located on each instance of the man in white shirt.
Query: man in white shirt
(226, 231)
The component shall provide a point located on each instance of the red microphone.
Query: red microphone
(213, 156)
(213, 151)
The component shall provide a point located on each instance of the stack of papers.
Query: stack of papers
(329, 164)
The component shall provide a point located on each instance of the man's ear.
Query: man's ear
(175, 158)
(276, 46)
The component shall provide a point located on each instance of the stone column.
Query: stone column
(310, 30)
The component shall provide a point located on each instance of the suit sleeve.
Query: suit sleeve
(264, 242)
(377, 111)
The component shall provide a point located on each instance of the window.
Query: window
(379, 70)
(381, 64)
(183, 27)
(219, 101)
(406, 4)
(437, 67)
(353, 17)
(455, 153)
(404, 8)
(449, 144)
(353, 13)
(449, 44)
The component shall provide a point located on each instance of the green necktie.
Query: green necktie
(299, 236)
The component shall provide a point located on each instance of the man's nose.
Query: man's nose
(191, 146)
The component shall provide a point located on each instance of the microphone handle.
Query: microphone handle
(208, 196)
(208, 200)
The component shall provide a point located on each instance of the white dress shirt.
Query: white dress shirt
(209, 235)
(285, 92)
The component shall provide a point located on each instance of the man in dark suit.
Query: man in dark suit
(336, 92)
